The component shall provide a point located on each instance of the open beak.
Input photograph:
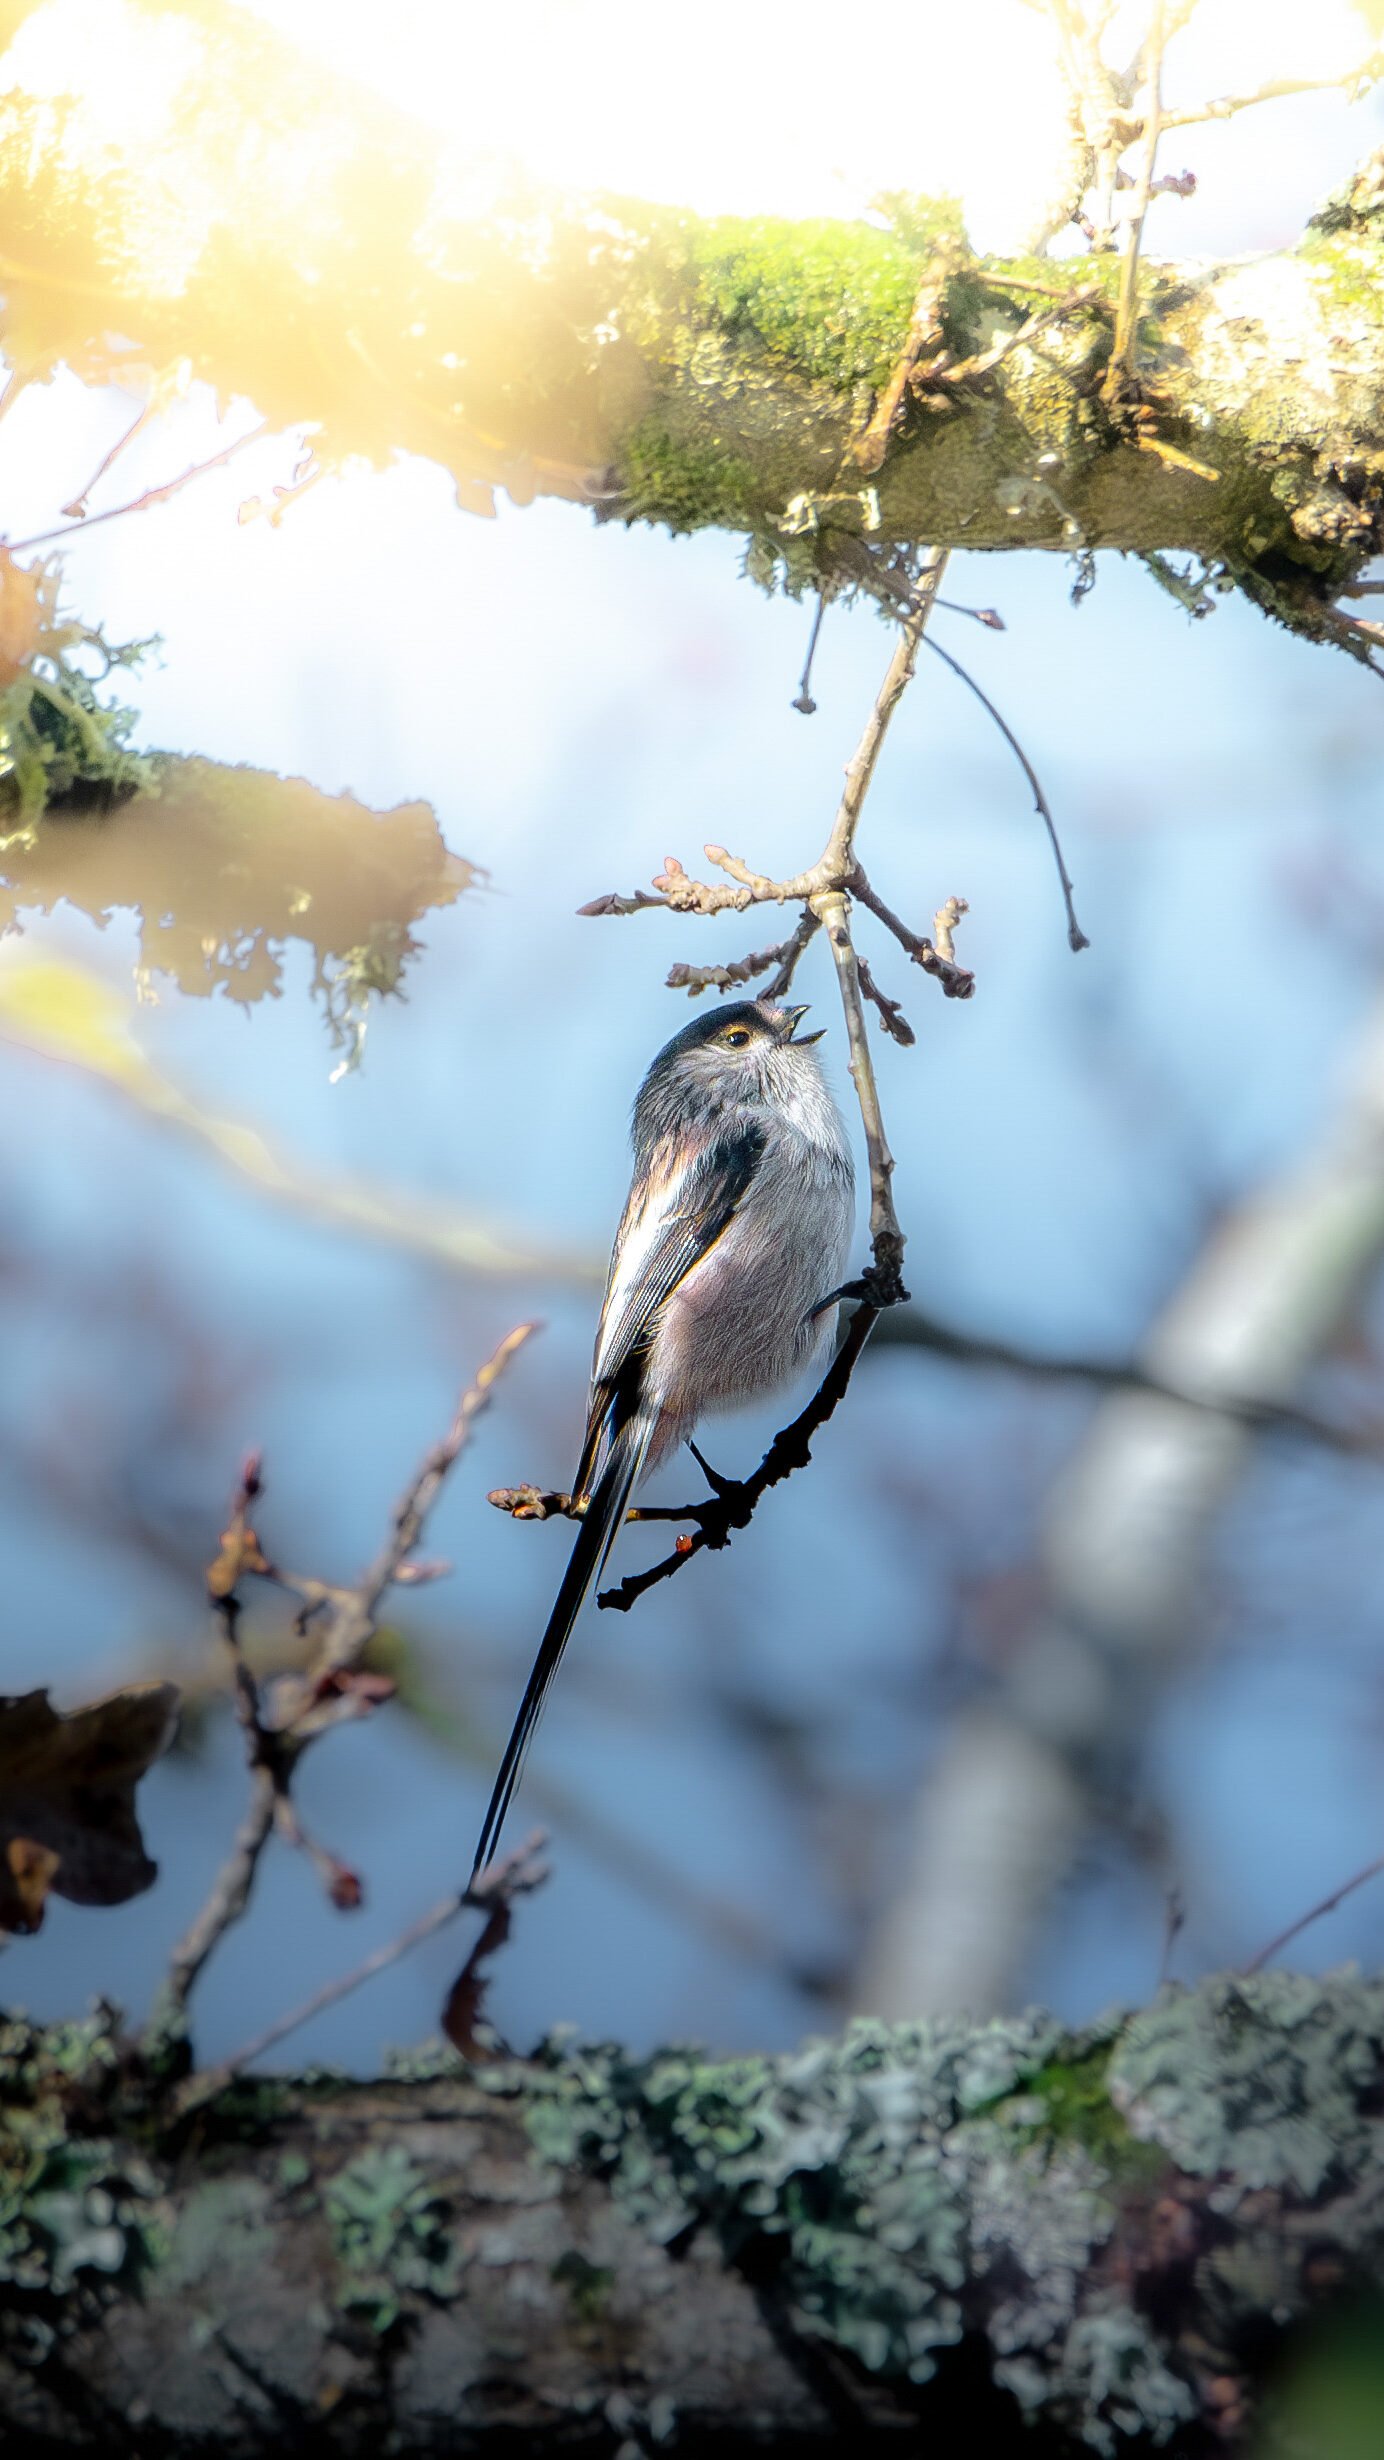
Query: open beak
(794, 1018)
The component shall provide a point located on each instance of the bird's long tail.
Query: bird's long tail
(604, 1513)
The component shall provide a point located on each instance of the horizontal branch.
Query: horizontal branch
(900, 2239)
(829, 388)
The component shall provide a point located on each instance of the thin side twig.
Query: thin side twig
(909, 1328)
(330, 1690)
(1119, 373)
(514, 1874)
(353, 1623)
(694, 979)
(924, 331)
(936, 956)
(1076, 937)
(1224, 106)
(150, 497)
(733, 1504)
(891, 1015)
(1314, 1913)
(808, 926)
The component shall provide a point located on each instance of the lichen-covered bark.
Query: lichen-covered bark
(1109, 2235)
(301, 245)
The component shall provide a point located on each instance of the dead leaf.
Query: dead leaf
(67, 1798)
(26, 1875)
(464, 2007)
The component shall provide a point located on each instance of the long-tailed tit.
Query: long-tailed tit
(736, 1230)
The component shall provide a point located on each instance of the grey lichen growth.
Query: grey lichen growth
(389, 2235)
(1270, 2077)
(897, 2182)
(1123, 2227)
(424, 2062)
(78, 2214)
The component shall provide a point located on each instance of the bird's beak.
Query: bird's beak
(794, 1017)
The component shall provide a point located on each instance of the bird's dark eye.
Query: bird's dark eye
(736, 1036)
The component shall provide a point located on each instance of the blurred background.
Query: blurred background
(1021, 1656)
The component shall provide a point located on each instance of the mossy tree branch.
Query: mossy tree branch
(687, 371)
(1111, 2234)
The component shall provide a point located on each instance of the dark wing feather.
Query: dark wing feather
(674, 1216)
(670, 1222)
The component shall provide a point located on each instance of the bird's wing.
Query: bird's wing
(680, 1205)
(674, 1216)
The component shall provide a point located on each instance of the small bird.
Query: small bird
(730, 1252)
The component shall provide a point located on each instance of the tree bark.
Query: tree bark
(300, 244)
(1109, 2234)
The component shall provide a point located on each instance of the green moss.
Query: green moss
(685, 481)
(829, 300)
(922, 221)
(1067, 2101)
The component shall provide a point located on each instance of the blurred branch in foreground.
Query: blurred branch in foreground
(1001, 1813)
(59, 1012)
(225, 866)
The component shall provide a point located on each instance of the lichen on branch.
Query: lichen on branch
(1114, 2234)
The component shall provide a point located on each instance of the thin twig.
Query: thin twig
(935, 958)
(1314, 1913)
(151, 495)
(1224, 106)
(494, 1889)
(808, 927)
(805, 704)
(909, 1328)
(924, 331)
(226, 1902)
(353, 1624)
(1174, 1923)
(305, 1706)
(984, 360)
(891, 1015)
(733, 1504)
(694, 979)
(1076, 937)
(840, 846)
(514, 1874)
(1119, 373)
(988, 615)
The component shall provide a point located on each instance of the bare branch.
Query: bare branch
(733, 1504)
(924, 332)
(355, 1614)
(150, 497)
(1076, 937)
(332, 1689)
(808, 927)
(515, 1873)
(1119, 373)
(694, 979)
(937, 958)
(891, 1015)
(1354, 83)
(909, 1328)
(1326, 1904)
